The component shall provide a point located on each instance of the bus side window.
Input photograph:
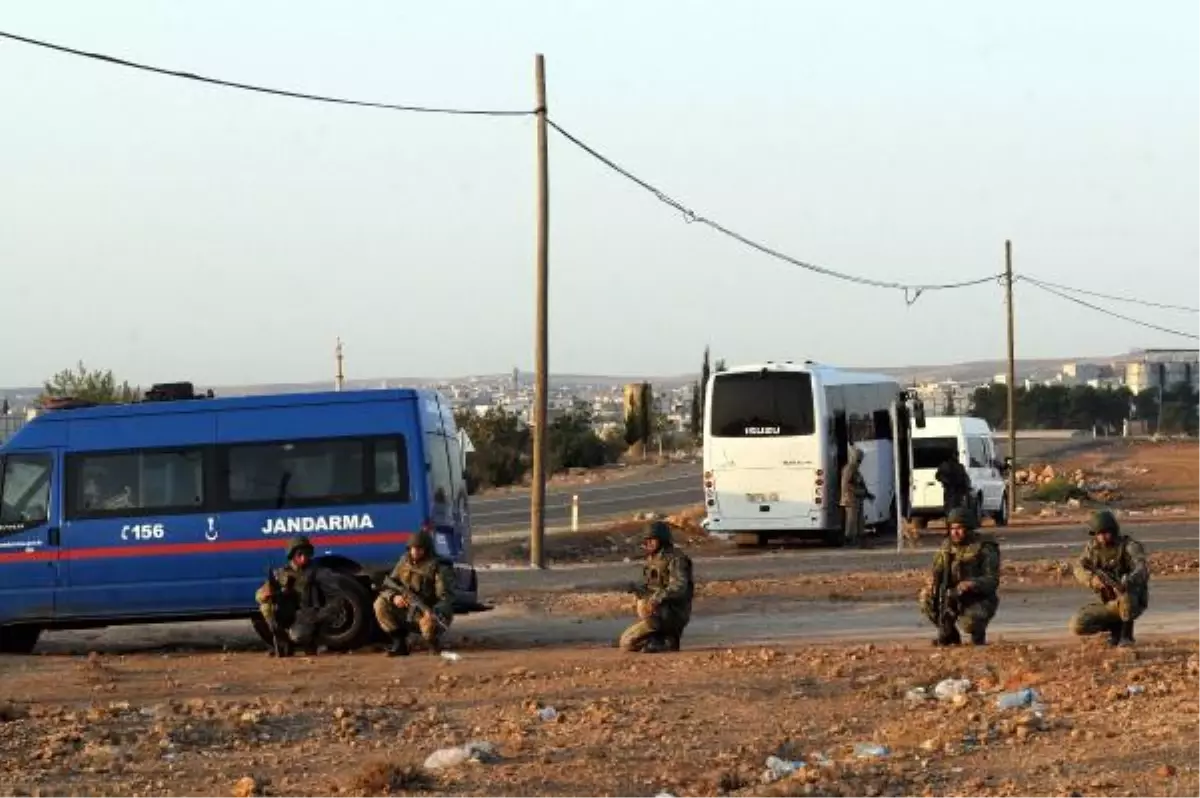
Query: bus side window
(439, 469)
(25, 499)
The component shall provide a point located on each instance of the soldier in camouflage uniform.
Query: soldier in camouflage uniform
(665, 603)
(853, 492)
(432, 579)
(1122, 561)
(300, 583)
(973, 578)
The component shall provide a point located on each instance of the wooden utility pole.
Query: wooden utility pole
(537, 493)
(1012, 382)
(338, 377)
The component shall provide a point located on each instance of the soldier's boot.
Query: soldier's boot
(282, 645)
(1125, 635)
(948, 635)
(673, 642)
(979, 637)
(399, 646)
(435, 646)
(1114, 633)
(655, 645)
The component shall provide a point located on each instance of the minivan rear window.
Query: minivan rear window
(762, 404)
(932, 452)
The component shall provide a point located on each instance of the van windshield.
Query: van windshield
(932, 452)
(762, 404)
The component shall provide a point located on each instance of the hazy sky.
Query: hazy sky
(171, 230)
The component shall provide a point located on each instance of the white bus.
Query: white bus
(776, 436)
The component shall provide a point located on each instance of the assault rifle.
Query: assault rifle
(945, 597)
(1110, 584)
(634, 589)
(414, 601)
(279, 645)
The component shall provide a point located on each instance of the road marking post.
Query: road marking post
(575, 512)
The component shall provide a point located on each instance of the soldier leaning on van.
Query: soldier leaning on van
(956, 484)
(853, 492)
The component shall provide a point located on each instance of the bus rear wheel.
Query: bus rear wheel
(19, 638)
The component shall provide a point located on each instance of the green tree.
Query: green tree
(573, 443)
(696, 423)
(99, 386)
(502, 448)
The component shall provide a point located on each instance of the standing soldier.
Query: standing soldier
(431, 580)
(853, 492)
(962, 588)
(290, 611)
(665, 602)
(1114, 566)
(956, 484)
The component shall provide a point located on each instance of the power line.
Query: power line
(691, 216)
(425, 109)
(1108, 312)
(1147, 303)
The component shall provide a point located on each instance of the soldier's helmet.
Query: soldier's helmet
(961, 515)
(658, 530)
(299, 544)
(1103, 521)
(422, 540)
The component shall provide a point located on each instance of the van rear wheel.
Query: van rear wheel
(19, 638)
(1000, 517)
(350, 619)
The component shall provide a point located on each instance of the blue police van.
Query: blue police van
(174, 508)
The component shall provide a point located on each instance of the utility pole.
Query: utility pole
(1012, 382)
(338, 378)
(537, 493)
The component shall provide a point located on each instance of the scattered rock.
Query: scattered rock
(246, 787)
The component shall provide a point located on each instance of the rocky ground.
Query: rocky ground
(840, 720)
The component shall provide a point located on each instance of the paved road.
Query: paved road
(664, 489)
(1025, 544)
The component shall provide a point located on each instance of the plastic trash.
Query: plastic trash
(947, 689)
(1135, 689)
(870, 750)
(1025, 697)
(917, 695)
(548, 713)
(780, 768)
(476, 751)
(452, 656)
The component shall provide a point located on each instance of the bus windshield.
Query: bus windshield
(762, 404)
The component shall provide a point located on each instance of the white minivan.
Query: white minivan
(968, 439)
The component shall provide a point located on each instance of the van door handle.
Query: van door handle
(52, 536)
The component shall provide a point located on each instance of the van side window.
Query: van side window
(284, 474)
(976, 453)
(441, 484)
(26, 490)
(126, 483)
(391, 468)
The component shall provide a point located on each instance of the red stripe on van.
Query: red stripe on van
(49, 554)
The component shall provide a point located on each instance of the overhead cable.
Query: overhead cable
(912, 290)
(1074, 290)
(1106, 311)
(424, 109)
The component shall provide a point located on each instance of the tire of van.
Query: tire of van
(1000, 517)
(19, 638)
(353, 621)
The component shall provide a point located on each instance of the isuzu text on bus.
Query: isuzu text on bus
(174, 509)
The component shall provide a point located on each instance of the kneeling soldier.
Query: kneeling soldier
(962, 588)
(291, 611)
(665, 601)
(429, 582)
(1114, 566)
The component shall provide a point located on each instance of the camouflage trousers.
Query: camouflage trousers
(394, 620)
(665, 622)
(975, 612)
(853, 513)
(1104, 616)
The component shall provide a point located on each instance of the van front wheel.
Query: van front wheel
(1000, 517)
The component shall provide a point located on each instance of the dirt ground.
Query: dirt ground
(701, 722)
